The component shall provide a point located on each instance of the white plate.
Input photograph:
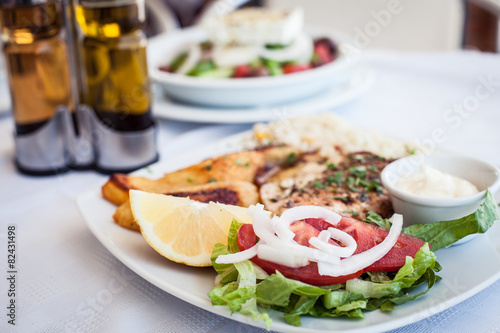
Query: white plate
(248, 92)
(192, 284)
(333, 95)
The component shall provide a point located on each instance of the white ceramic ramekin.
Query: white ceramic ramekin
(419, 209)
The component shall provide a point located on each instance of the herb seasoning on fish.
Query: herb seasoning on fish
(351, 186)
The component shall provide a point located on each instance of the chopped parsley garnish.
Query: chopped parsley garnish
(212, 180)
(362, 182)
(410, 151)
(208, 167)
(189, 180)
(374, 186)
(356, 181)
(318, 184)
(336, 178)
(372, 168)
(353, 212)
(359, 157)
(330, 166)
(363, 197)
(343, 199)
(352, 188)
(291, 159)
(359, 172)
(241, 163)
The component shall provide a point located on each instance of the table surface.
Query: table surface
(68, 282)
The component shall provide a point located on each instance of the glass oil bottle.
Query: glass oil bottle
(116, 82)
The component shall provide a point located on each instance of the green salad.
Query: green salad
(245, 288)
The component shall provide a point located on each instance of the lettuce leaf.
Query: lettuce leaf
(227, 272)
(445, 233)
(406, 277)
(276, 290)
(232, 237)
(415, 272)
(240, 295)
(372, 217)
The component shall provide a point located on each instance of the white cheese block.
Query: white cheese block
(255, 26)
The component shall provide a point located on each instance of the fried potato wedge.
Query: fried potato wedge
(239, 193)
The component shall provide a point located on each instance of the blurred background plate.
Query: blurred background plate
(334, 94)
(248, 92)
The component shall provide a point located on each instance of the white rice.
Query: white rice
(330, 134)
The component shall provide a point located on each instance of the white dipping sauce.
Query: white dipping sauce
(433, 183)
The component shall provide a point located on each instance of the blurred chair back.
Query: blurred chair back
(160, 18)
(405, 25)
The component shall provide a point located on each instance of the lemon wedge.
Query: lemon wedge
(184, 230)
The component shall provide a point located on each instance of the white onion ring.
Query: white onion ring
(330, 249)
(364, 259)
(283, 231)
(281, 256)
(314, 255)
(193, 56)
(321, 242)
(237, 257)
(346, 239)
(324, 235)
(262, 223)
(303, 212)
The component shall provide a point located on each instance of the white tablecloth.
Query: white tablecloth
(68, 282)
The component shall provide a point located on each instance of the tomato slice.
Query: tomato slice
(323, 53)
(366, 235)
(307, 274)
(294, 68)
(242, 71)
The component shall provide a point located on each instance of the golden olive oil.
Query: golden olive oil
(36, 62)
(114, 52)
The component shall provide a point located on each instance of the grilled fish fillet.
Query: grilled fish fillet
(351, 187)
(240, 166)
(238, 193)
